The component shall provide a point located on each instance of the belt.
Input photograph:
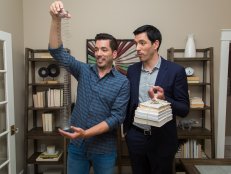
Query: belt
(143, 131)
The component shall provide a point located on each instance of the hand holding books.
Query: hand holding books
(153, 112)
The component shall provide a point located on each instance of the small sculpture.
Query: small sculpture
(187, 124)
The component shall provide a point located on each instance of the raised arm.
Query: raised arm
(57, 12)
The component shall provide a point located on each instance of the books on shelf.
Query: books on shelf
(49, 82)
(48, 122)
(49, 98)
(39, 99)
(196, 102)
(190, 149)
(44, 156)
(153, 112)
(193, 79)
(43, 55)
(55, 97)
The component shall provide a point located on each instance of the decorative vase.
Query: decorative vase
(190, 48)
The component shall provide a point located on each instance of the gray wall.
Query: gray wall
(11, 21)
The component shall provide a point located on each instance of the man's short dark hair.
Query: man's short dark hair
(105, 36)
(153, 33)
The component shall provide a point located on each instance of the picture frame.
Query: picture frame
(126, 54)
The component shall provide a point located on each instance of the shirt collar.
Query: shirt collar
(94, 68)
(157, 66)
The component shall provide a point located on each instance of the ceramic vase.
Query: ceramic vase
(190, 48)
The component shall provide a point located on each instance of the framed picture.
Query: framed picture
(126, 55)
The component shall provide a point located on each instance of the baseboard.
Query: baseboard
(228, 140)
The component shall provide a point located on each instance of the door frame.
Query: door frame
(9, 97)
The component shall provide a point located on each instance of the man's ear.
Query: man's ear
(156, 44)
(114, 55)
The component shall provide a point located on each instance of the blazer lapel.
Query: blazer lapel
(162, 72)
(136, 81)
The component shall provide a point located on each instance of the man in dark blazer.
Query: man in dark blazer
(152, 149)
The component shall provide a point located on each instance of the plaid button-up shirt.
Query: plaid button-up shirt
(98, 99)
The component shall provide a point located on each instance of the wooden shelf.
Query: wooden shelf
(122, 152)
(41, 60)
(178, 59)
(46, 84)
(44, 108)
(38, 133)
(194, 133)
(199, 84)
(204, 64)
(34, 134)
(32, 160)
(204, 108)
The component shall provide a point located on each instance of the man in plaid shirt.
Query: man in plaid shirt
(102, 97)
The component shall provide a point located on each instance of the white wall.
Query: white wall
(11, 21)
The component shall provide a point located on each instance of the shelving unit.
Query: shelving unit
(203, 65)
(36, 139)
(122, 152)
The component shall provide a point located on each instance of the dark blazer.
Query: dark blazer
(172, 78)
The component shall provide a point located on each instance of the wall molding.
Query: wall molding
(222, 95)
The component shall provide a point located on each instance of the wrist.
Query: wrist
(84, 135)
(55, 18)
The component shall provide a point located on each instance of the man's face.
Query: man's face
(104, 54)
(145, 49)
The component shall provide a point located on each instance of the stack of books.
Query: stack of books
(48, 122)
(190, 149)
(193, 79)
(43, 55)
(44, 156)
(153, 112)
(48, 98)
(39, 99)
(196, 102)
